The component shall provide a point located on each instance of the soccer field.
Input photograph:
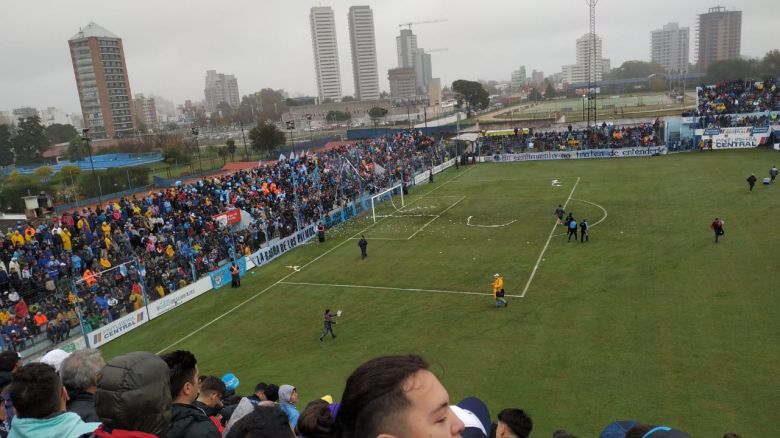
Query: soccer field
(650, 320)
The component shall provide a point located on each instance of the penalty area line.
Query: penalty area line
(401, 289)
(541, 254)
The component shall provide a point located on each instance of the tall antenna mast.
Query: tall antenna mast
(592, 69)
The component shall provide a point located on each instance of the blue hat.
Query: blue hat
(231, 381)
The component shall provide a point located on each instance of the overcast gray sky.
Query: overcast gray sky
(169, 44)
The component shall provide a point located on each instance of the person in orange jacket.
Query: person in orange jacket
(498, 290)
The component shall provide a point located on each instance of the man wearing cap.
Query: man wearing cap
(498, 290)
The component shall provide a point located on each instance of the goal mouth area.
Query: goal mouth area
(387, 203)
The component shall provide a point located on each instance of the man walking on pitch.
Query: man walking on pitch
(327, 325)
(363, 244)
(717, 227)
(498, 290)
(773, 173)
(559, 212)
(751, 181)
(584, 228)
(571, 223)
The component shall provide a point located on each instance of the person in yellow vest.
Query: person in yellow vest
(498, 290)
(66, 242)
(29, 233)
(160, 290)
(17, 239)
(83, 225)
(106, 228)
(169, 251)
(235, 278)
(105, 263)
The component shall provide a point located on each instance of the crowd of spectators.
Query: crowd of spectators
(603, 137)
(171, 235)
(719, 105)
(142, 395)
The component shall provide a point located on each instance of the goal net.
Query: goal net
(387, 202)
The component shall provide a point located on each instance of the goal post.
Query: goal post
(387, 195)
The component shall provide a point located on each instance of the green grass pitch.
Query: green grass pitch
(650, 320)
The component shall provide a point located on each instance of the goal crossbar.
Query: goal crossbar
(378, 197)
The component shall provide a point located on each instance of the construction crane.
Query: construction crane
(414, 23)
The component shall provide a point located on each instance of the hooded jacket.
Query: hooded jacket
(188, 421)
(61, 425)
(83, 404)
(133, 393)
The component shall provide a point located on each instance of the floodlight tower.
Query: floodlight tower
(592, 69)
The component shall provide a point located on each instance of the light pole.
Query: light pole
(583, 106)
(86, 139)
(311, 136)
(195, 133)
(243, 137)
(291, 128)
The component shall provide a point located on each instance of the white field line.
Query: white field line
(594, 224)
(405, 215)
(468, 223)
(520, 179)
(541, 254)
(233, 309)
(437, 216)
(358, 286)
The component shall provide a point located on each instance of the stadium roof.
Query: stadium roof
(93, 30)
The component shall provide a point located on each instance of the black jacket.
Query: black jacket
(83, 404)
(188, 421)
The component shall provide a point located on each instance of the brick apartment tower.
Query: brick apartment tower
(101, 77)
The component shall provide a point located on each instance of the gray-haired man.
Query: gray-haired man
(79, 374)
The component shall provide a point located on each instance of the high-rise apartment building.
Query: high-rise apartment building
(669, 47)
(363, 43)
(101, 77)
(145, 111)
(406, 44)
(518, 78)
(220, 88)
(403, 83)
(537, 77)
(423, 70)
(24, 112)
(578, 72)
(326, 52)
(718, 36)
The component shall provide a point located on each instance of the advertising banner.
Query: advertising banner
(281, 246)
(221, 276)
(735, 138)
(115, 329)
(583, 154)
(181, 296)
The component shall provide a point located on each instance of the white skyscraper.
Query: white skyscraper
(326, 52)
(407, 45)
(578, 73)
(220, 88)
(670, 46)
(363, 42)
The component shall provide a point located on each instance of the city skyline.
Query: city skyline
(170, 61)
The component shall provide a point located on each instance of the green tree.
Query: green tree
(730, 69)
(472, 93)
(77, 150)
(347, 99)
(635, 69)
(770, 65)
(176, 155)
(43, 173)
(549, 93)
(338, 116)
(30, 141)
(6, 147)
(230, 146)
(222, 152)
(266, 137)
(376, 113)
(225, 110)
(534, 95)
(59, 133)
(266, 104)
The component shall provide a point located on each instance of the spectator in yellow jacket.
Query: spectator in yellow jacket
(66, 242)
(17, 239)
(498, 290)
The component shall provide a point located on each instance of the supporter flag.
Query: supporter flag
(282, 157)
(292, 156)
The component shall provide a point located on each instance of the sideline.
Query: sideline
(233, 309)
(541, 254)
(358, 286)
(468, 223)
